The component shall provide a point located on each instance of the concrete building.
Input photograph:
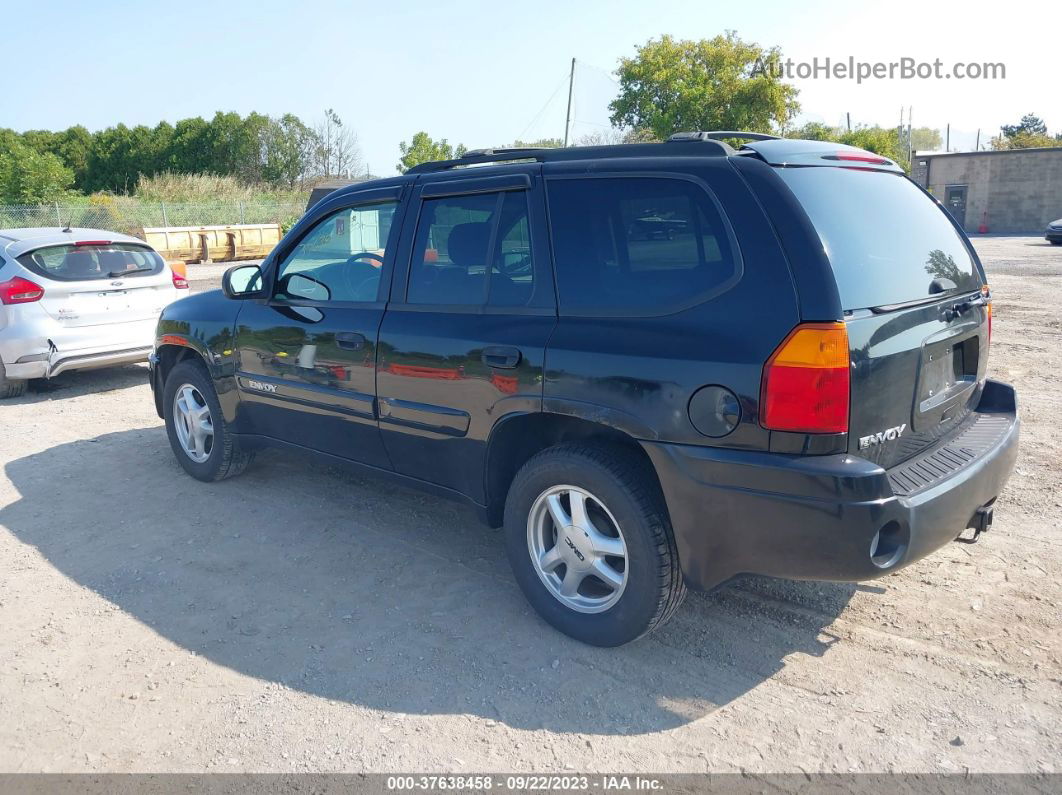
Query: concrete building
(1013, 191)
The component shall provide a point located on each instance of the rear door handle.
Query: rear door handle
(350, 340)
(501, 356)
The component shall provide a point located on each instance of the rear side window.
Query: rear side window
(642, 245)
(71, 263)
(888, 242)
(473, 250)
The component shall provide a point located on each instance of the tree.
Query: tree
(815, 131)
(190, 150)
(337, 147)
(879, 140)
(28, 176)
(1025, 140)
(422, 149)
(287, 150)
(1030, 132)
(1030, 124)
(722, 83)
(71, 147)
(926, 139)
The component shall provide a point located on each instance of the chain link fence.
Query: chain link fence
(129, 216)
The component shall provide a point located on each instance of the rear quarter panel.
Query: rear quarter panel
(639, 373)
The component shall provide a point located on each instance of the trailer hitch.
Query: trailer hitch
(979, 523)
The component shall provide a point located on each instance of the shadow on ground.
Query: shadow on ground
(354, 589)
(75, 383)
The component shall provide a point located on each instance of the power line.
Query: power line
(538, 115)
(605, 72)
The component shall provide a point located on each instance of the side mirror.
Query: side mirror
(242, 282)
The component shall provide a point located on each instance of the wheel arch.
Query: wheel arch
(518, 437)
(169, 356)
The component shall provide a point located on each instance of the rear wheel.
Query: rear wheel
(196, 428)
(10, 387)
(590, 543)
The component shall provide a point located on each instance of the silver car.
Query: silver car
(74, 299)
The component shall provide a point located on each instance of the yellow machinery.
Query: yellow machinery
(212, 243)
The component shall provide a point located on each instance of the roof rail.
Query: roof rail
(692, 147)
(715, 135)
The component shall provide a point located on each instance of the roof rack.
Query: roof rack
(691, 147)
(716, 135)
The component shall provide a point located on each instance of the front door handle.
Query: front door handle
(501, 356)
(350, 340)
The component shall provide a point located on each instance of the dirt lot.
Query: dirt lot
(303, 618)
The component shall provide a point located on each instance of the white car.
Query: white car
(75, 299)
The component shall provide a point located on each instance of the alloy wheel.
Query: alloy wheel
(193, 423)
(577, 549)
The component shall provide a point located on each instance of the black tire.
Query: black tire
(627, 486)
(225, 459)
(11, 387)
(1056, 242)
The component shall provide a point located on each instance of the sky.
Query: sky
(488, 73)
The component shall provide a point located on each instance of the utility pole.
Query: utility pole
(568, 118)
(910, 137)
(977, 146)
(848, 119)
(947, 138)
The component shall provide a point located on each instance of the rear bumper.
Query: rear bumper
(836, 517)
(45, 349)
(81, 359)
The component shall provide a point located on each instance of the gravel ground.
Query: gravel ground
(303, 618)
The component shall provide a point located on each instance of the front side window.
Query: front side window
(473, 250)
(341, 258)
(71, 263)
(643, 245)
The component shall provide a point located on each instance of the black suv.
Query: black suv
(656, 365)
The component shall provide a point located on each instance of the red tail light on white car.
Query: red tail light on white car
(20, 291)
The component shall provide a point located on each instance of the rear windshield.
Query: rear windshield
(71, 263)
(887, 241)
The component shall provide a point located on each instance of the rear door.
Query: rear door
(93, 283)
(911, 290)
(464, 338)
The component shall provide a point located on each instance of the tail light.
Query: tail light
(858, 157)
(806, 381)
(20, 291)
(180, 275)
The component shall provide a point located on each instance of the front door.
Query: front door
(463, 341)
(307, 355)
(955, 200)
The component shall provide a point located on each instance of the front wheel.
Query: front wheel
(200, 439)
(591, 545)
